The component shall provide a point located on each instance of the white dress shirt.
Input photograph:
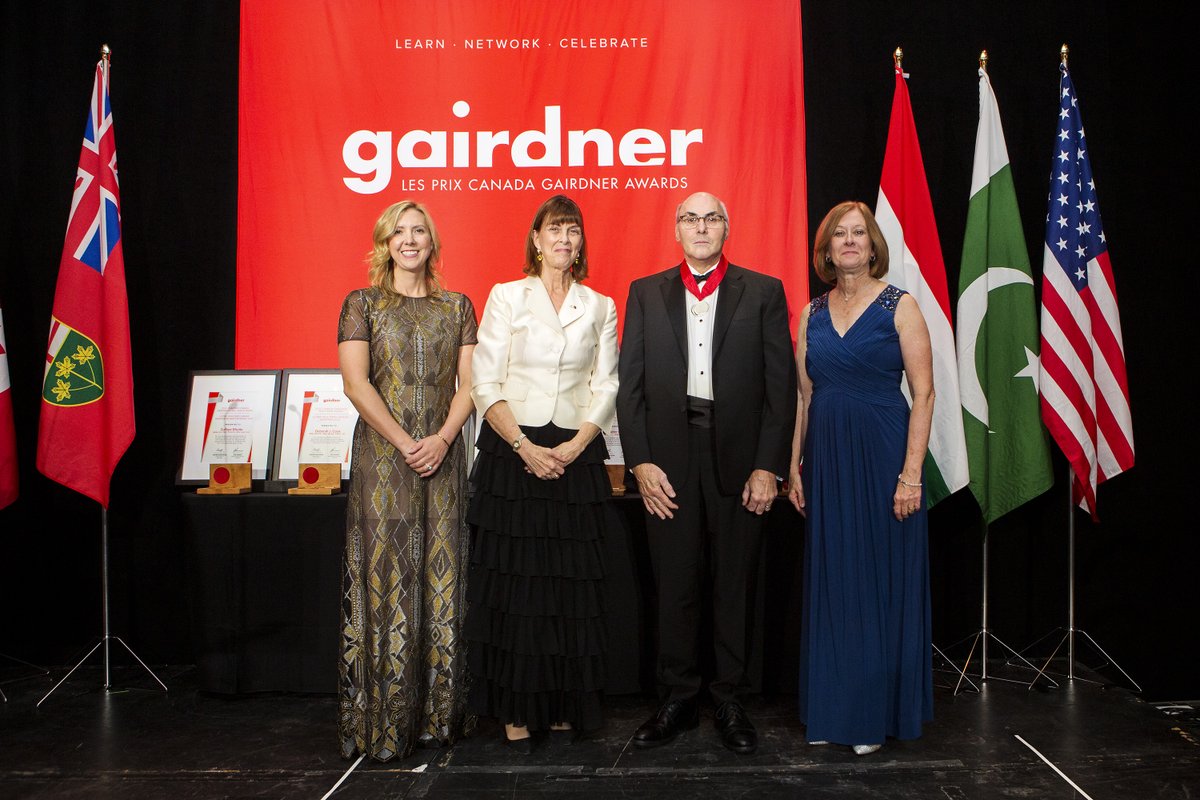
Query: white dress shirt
(700, 337)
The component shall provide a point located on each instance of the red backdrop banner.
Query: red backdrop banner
(481, 110)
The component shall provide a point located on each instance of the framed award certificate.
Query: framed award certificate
(612, 440)
(230, 420)
(316, 423)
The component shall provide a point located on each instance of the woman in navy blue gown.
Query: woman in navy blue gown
(865, 661)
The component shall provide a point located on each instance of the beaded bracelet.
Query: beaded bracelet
(900, 478)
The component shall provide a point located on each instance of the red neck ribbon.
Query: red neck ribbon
(710, 284)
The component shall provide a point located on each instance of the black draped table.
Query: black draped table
(265, 574)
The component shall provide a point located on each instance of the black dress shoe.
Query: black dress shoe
(667, 722)
(563, 736)
(737, 732)
(522, 746)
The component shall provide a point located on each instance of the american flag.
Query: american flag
(1083, 388)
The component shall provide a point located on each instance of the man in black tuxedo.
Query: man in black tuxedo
(706, 406)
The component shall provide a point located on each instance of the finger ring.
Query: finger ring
(429, 467)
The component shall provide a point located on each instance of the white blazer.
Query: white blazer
(550, 367)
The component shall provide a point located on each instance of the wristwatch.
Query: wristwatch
(516, 443)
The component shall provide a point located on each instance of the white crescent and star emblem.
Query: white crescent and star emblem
(972, 306)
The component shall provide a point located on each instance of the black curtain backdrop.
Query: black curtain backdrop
(174, 92)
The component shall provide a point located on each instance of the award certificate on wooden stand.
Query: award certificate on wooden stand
(315, 426)
(231, 421)
(227, 479)
(318, 479)
(615, 463)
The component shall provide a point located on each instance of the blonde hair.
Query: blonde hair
(379, 260)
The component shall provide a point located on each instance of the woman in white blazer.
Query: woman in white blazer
(544, 376)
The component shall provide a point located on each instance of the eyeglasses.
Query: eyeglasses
(712, 220)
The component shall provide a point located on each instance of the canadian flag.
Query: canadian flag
(8, 431)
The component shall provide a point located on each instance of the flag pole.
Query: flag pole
(979, 639)
(919, 282)
(106, 637)
(1074, 480)
(1071, 631)
(897, 58)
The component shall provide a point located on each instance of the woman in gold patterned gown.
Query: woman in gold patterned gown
(404, 347)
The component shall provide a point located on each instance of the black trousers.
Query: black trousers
(711, 538)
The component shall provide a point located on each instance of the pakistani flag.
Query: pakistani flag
(997, 334)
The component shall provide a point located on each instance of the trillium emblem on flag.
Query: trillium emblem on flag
(74, 368)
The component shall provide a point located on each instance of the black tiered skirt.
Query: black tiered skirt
(535, 618)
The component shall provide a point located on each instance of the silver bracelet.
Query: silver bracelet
(900, 478)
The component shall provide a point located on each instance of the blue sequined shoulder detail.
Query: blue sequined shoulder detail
(889, 298)
(818, 303)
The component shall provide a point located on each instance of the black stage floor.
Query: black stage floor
(1006, 742)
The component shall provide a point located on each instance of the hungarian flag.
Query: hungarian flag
(87, 397)
(905, 214)
(8, 431)
(1085, 394)
(1007, 448)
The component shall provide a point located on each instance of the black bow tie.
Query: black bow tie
(701, 278)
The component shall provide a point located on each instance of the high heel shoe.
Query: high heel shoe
(564, 736)
(427, 741)
(523, 745)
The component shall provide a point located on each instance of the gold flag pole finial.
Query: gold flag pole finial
(983, 60)
(897, 56)
(1062, 54)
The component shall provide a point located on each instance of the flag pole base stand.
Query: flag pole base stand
(950, 667)
(980, 640)
(38, 672)
(319, 479)
(1069, 637)
(103, 641)
(227, 479)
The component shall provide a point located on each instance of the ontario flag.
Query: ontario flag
(87, 422)
(8, 431)
(1084, 390)
(905, 215)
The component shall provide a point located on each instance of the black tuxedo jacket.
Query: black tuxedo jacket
(753, 376)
